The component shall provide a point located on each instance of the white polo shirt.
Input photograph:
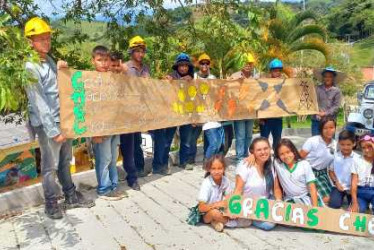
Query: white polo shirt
(295, 182)
(363, 170)
(342, 167)
(254, 184)
(320, 155)
(210, 192)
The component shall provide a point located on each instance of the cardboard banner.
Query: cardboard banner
(94, 104)
(299, 215)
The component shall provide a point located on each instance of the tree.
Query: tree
(286, 33)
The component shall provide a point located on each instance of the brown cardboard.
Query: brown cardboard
(95, 104)
(323, 218)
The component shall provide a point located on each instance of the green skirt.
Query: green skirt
(323, 183)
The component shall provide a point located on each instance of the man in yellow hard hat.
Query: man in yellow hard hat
(133, 160)
(244, 128)
(44, 120)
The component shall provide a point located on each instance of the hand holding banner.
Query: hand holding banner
(97, 104)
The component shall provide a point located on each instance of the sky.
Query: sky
(47, 8)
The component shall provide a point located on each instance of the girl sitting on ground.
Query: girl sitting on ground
(212, 192)
(295, 175)
(362, 187)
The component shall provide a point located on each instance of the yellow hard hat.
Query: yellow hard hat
(204, 57)
(249, 58)
(136, 41)
(36, 26)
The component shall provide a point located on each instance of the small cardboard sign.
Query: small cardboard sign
(98, 104)
(300, 215)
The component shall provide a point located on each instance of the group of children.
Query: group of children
(323, 173)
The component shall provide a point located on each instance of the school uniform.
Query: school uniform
(320, 157)
(342, 167)
(295, 182)
(210, 192)
(365, 186)
(257, 186)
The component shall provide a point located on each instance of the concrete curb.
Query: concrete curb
(32, 196)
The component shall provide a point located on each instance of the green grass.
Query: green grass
(308, 122)
(363, 52)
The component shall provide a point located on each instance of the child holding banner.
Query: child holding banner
(214, 134)
(340, 169)
(44, 120)
(319, 151)
(363, 178)
(211, 196)
(105, 148)
(256, 179)
(295, 175)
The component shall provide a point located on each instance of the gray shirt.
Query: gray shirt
(134, 71)
(43, 97)
(329, 100)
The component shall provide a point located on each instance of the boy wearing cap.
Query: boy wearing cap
(329, 96)
(44, 115)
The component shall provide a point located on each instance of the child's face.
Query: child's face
(276, 73)
(41, 43)
(101, 63)
(115, 66)
(367, 149)
(204, 66)
(261, 151)
(286, 155)
(328, 130)
(217, 170)
(138, 54)
(346, 147)
(183, 69)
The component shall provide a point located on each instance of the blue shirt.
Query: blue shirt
(43, 97)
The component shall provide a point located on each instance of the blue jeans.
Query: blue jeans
(55, 158)
(185, 133)
(138, 152)
(196, 131)
(273, 126)
(365, 196)
(315, 127)
(243, 137)
(264, 225)
(128, 162)
(106, 155)
(162, 139)
(337, 198)
(213, 141)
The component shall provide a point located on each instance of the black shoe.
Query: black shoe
(144, 173)
(135, 186)
(114, 195)
(53, 211)
(164, 171)
(77, 200)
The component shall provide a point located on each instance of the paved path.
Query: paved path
(155, 219)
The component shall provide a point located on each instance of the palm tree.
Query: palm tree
(284, 34)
